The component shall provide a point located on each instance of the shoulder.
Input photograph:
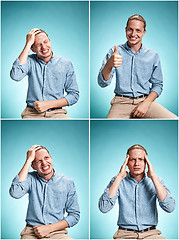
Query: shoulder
(149, 51)
(63, 178)
(62, 60)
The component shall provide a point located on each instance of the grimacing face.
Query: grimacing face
(43, 163)
(135, 32)
(42, 46)
(136, 162)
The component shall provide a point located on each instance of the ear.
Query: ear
(144, 33)
(32, 165)
(32, 48)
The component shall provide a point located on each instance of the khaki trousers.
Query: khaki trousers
(121, 108)
(124, 234)
(31, 113)
(28, 233)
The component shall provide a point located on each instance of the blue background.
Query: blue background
(68, 143)
(108, 21)
(109, 143)
(67, 24)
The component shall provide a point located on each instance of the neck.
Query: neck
(138, 178)
(47, 59)
(136, 47)
(48, 176)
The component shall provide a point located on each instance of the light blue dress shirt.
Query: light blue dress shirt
(137, 203)
(47, 81)
(140, 73)
(48, 201)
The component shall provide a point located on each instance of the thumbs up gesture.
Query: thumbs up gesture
(115, 59)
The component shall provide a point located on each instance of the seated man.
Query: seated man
(137, 193)
(50, 195)
(139, 78)
(48, 77)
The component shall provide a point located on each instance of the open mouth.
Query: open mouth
(45, 51)
(46, 168)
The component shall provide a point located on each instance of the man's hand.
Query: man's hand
(151, 173)
(141, 109)
(123, 173)
(42, 230)
(41, 106)
(31, 153)
(116, 59)
(30, 38)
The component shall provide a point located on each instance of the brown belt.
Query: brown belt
(141, 96)
(144, 230)
(49, 110)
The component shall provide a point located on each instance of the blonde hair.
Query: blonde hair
(137, 17)
(137, 146)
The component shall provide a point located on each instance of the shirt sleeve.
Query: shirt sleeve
(18, 189)
(106, 203)
(72, 206)
(156, 78)
(101, 81)
(71, 86)
(168, 204)
(19, 71)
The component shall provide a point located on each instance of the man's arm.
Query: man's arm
(106, 72)
(30, 38)
(166, 201)
(108, 198)
(20, 67)
(22, 182)
(72, 208)
(71, 88)
(114, 61)
(44, 230)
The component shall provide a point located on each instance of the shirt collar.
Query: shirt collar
(133, 179)
(130, 49)
(51, 60)
(51, 179)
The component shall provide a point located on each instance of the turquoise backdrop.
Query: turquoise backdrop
(67, 24)
(68, 144)
(108, 21)
(109, 143)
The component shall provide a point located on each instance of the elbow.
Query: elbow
(13, 194)
(14, 76)
(102, 207)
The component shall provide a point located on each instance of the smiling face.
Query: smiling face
(43, 164)
(136, 163)
(134, 33)
(42, 47)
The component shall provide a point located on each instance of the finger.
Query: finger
(115, 49)
(126, 160)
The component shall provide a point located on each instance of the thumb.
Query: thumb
(115, 49)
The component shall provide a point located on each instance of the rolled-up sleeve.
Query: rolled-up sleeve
(19, 71)
(72, 206)
(106, 203)
(71, 86)
(101, 81)
(168, 204)
(156, 78)
(18, 189)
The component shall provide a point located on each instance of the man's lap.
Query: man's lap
(151, 234)
(121, 108)
(28, 233)
(31, 113)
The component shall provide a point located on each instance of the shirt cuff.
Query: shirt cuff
(107, 197)
(23, 67)
(156, 89)
(102, 82)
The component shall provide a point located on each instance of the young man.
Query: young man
(50, 195)
(139, 78)
(48, 77)
(137, 193)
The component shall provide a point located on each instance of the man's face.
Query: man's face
(136, 162)
(135, 32)
(43, 163)
(42, 46)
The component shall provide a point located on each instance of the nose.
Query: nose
(43, 161)
(136, 162)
